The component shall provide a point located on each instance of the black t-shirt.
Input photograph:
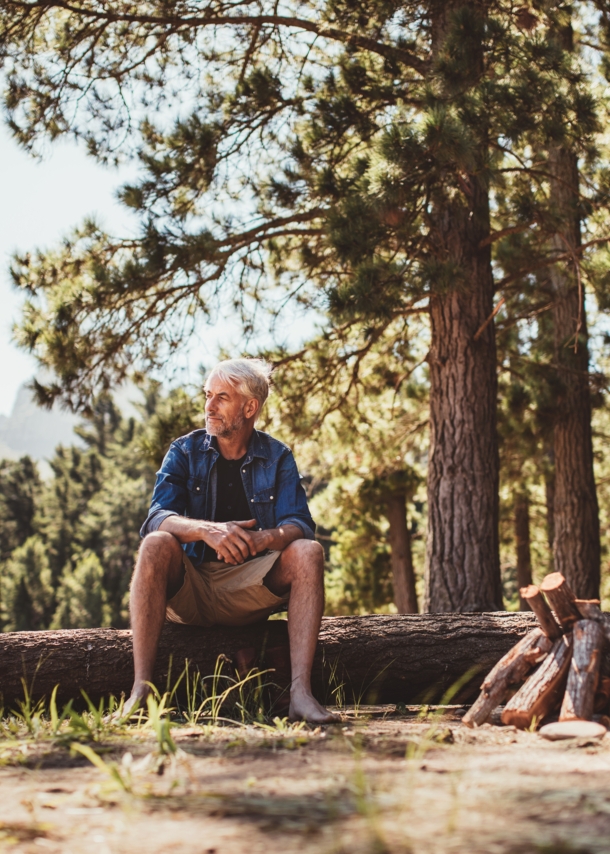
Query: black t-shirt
(231, 501)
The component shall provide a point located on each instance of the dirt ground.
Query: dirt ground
(394, 784)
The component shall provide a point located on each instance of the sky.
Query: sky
(42, 201)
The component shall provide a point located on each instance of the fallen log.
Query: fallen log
(579, 698)
(510, 670)
(379, 658)
(542, 691)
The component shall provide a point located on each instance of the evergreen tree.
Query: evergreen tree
(81, 598)
(350, 149)
(19, 488)
(27, 588)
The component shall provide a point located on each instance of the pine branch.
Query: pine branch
(404, 57)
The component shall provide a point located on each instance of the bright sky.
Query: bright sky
(43, 201)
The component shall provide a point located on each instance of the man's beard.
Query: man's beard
(224, 430)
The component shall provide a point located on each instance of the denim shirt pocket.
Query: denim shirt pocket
(263, 502)
(197, 497)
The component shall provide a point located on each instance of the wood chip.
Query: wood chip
(573, 729)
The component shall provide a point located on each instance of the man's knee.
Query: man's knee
(305, 556)
(160, 546)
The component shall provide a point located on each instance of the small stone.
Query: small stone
(573, 729)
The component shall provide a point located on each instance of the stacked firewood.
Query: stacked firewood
(554, 668)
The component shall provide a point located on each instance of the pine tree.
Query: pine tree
(350, 149)
(81, 598)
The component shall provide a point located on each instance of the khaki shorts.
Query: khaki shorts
(215, 593)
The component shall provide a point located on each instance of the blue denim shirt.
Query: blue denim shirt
(186, 486)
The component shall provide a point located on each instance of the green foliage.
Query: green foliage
(81, 598)
(27, 590)
(70, 543)
(324, 156)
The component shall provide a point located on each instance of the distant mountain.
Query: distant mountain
(34, 431)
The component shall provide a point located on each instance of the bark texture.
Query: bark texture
(510, 670)
(579, 698)
(403, 575)
(542, 691)
(381, 658)
(538, 604)
(462, 563)
(522, 542)
(562, 599)
(576, 543)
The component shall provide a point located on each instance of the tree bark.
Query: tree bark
(462, 562)
(538, 604)
(510, 670)
(403, 574)
(549, 492)
(579, 698)
(562, 599)
(576, 546)
(380, 658)
(522, 542)
(543, 690)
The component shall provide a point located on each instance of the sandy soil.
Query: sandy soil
(398, 784)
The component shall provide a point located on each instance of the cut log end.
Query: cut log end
(561, 598)
(532, 595)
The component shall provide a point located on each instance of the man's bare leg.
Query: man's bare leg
(300, 570)
(159, 575)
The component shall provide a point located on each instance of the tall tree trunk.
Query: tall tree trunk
(549, 491)
(576, 546)
(403, 575)
(462, 565)
(522, 542)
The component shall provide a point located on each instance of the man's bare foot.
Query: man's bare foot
(304, 707)
(136, 700)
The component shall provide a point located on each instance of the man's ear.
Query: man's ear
(251, 408)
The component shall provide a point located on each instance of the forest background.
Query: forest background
(430, 181)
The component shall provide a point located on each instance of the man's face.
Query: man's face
(226, 410)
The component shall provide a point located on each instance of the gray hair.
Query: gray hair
(251, 377)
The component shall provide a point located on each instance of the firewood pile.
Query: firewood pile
(555, 668)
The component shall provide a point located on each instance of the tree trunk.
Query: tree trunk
(462, 562)
(549, 491)
(522, 542)
(576, 547)
(403, 575)
(379, 658)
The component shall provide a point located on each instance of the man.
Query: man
(229, 536)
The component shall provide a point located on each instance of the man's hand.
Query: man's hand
(233, 541)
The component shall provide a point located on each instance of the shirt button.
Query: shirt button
(243, 471)
(197, 489)
(251, 501)
(271, 498)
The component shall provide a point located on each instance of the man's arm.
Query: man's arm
(232, 541)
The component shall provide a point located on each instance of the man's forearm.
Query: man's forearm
(184, 529)
(276, 539)
(195, 530)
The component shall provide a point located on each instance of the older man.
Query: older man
(229, 536)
